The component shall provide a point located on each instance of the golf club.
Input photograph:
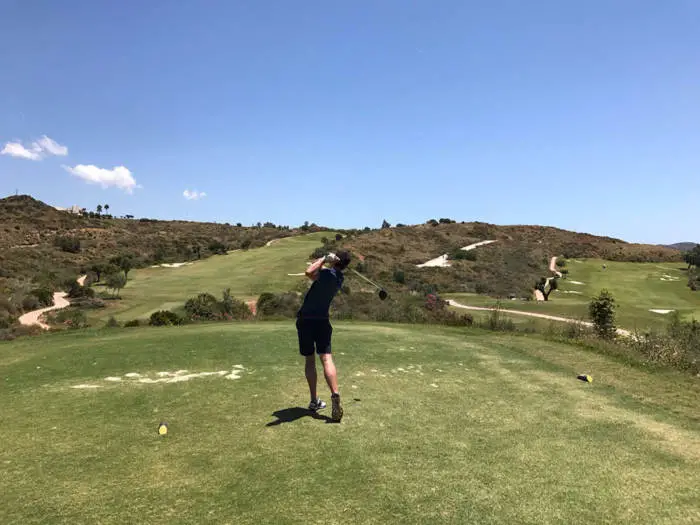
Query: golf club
(382, 292)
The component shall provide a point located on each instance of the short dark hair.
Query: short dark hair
(344, 257)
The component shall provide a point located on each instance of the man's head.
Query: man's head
(344, 260)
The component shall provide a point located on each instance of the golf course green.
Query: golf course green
(442, 425)
(248, 273)
(638, 289)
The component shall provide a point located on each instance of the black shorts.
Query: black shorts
(314, 334)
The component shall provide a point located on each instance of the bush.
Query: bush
(602, 313)
(497, 322)
(44, 295)
(204, 306)
(319, 252)
(132, 323)
(112, 322)
(338, 237)
(88, 303)
(218, 247)
(399, 276)
(284, 305)
(72, 318)
(164, 318)
(68, 244)
(75, 290)
(462, 255)
(30, 302)
(561, 263)
(232, 308)
(115, 282)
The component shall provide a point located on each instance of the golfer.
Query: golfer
(314, 328)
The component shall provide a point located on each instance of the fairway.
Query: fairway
(247, 272)
(442, 425)
(636, 287)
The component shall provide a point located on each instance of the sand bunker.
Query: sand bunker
(443, 262)
(661, 311)
(171, 265)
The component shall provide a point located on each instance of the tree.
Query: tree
(116, 281)
(124, 262)
(602, 312)
(542, 287)
(385, 224)
(106, 208)
(99, 208)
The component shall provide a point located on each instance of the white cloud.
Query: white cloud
(39, 149)
(50, 146)
(193, 195)
(15, 149)
(118, 177)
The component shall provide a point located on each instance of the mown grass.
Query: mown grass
(637, 288)
(442, 425)
(247, 272)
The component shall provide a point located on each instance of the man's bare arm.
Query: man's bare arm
(312, 271)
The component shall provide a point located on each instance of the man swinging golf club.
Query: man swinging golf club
(314, 328)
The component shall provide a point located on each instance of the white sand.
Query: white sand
(661, 311)
(172, 265)
(178, 376)
(433, 385)
(443, 262)
(86, 386)
(576, 282)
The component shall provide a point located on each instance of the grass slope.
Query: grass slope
(637, 287)
(248, 273)
(441, 426)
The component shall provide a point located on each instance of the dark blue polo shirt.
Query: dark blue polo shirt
(317, 302)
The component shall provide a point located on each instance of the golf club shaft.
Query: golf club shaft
(366, 279)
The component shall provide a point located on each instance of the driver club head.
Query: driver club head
(383, 294)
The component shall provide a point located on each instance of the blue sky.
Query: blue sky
(582, 115)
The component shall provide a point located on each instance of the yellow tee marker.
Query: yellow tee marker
(163, 429)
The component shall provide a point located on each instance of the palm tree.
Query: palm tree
(106, 208)
(99, 208)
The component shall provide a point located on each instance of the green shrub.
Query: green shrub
(72, 318)
(285, 305)
(399, 276)
(164, 318)
(112, 322)
(462, 255)
(30, 302)
(319, 252)
(68, 244)
(204, 306)
(232, 308)
(602, 312)
(88, 303)
(132, 323)
(44, 295)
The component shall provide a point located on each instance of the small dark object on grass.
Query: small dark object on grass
(585, 377)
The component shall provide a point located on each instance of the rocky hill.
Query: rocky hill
(511, 265)
(37, 240)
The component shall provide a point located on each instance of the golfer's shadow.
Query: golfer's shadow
(287, 415)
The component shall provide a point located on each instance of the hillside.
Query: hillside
(511, 265)
(36, 238)
(683, 246)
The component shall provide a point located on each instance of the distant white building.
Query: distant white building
(75, 209)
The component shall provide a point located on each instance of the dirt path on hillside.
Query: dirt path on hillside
(59, 301)
(553, 267)
(620, 331)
